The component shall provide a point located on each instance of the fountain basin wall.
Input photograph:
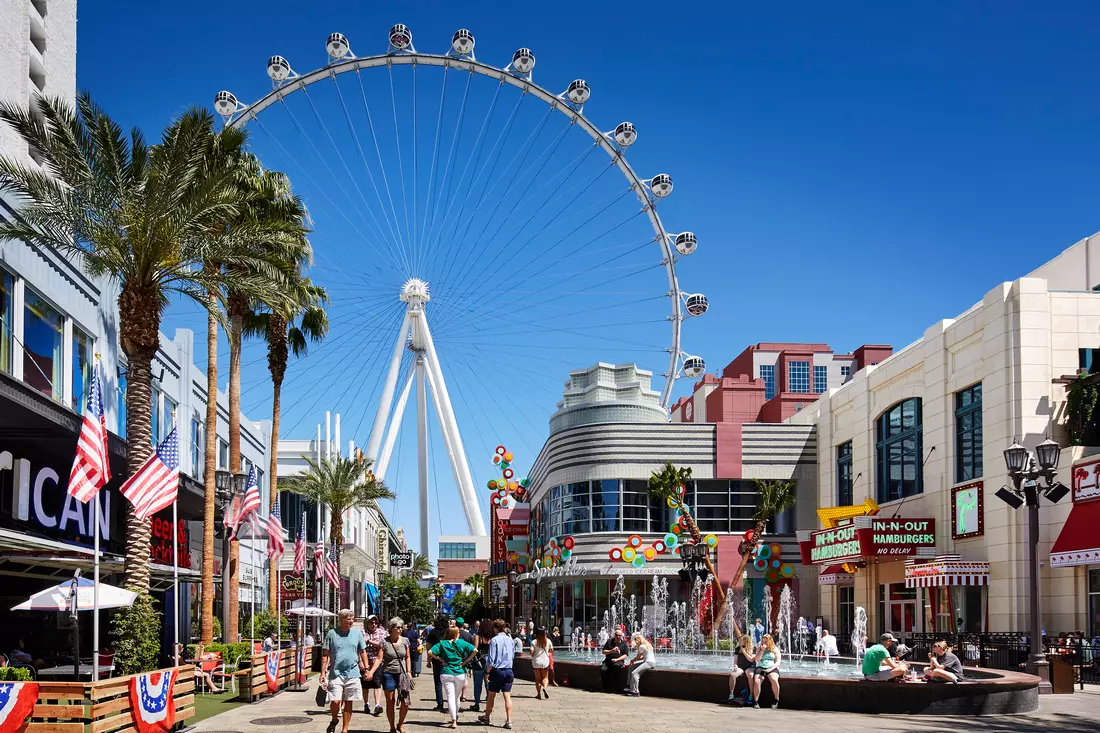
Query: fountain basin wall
(986, 692)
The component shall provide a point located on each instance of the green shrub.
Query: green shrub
(239, 649)
(196, 628)
(136, 631)
(265, 624)
(14, 674)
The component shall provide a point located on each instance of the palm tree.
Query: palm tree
(421, 565)
(143, 215)
(268, 202)
(773, 498)
(477, 582)
(665, 484)
(341, 484)
(286, 331)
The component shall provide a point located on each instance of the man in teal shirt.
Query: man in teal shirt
(878, 665)
(343, 654)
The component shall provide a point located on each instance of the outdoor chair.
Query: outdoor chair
(229, 671)
(26, 666)
(212, 664)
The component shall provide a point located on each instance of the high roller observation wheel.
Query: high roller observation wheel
(517, 73)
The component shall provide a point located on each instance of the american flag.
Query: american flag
(319, 556)
(275, 545)
(91, 468)
(332, 570)
(156, 483)
(250, 504)
(300, 548)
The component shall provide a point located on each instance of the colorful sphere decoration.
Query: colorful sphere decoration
(507, 491)
(768, 559)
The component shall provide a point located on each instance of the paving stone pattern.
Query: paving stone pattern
(579, 711)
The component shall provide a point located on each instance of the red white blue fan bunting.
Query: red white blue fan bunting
(151, 697)
(271, 670)
(17, 700)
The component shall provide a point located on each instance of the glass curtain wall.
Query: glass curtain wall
(43, 330)
(82, 369)
(7, 285)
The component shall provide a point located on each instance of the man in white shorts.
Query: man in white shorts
(343, 656)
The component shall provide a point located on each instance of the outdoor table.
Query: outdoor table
(66, 670)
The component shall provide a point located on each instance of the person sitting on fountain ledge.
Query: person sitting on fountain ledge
(943, 665)
(744, 664)
(642, 663)
(767, 666)
(879, 666)
(615, 652)
(827, 645)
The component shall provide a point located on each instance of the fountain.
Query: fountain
(784, 620)
(859, 634)
(632, 615)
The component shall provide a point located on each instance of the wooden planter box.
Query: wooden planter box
(104, 706)
(253, 681)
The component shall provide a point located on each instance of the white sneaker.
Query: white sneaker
(507, 724)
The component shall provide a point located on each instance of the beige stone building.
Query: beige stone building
(922, 434)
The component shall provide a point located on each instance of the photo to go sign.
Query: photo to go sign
(401, 559)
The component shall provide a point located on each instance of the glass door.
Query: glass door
(901, 610)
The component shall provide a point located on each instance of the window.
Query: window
(223, 455)
(457, 551)
(798, 376)
(767, 373)
(82, 369)
(712, 505)
(198, 449)
(1094, 603)
(167, 419)
(636, 506)
(154, 416)
(898, 436)
(7, 285)
(845, 371)
(1089, 360)
(844, 474)
(575, 509)
(605, 506)
(846, 608)
(43, 327)
(968, 433)
(821, 379)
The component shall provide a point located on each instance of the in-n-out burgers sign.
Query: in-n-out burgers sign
(40, 497)
(868, 537)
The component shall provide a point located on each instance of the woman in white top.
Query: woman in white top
(541, 647)
(644, 661)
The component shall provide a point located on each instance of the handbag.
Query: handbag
(322, 695)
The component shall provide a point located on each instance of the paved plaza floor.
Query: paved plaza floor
(579, 711)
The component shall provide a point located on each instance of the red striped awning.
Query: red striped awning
(836, 575)
(1079, 541)
(945, 570)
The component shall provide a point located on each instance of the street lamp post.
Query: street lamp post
(228, 486)
(1025, 472)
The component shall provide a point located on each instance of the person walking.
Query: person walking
(541, 648)
(498, 671)
(435, 635)
(484, 638)
(413, 637)
(342, 656)
(393, 670)
(642, 663)
(374, 638)
(452, 654)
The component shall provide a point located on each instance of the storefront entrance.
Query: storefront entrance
(1094, 603)
(898, 605)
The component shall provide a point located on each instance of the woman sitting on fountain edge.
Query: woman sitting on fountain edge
(767, 665)
(744, 664)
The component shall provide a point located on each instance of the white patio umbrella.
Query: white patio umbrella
(310, 612)
(60, 596)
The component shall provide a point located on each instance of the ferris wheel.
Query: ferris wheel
(512, 231)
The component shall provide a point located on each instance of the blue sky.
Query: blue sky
(854, 172)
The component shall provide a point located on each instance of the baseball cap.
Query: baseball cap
(460, 621)
(887, 637)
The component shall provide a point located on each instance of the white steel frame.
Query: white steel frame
(414, 332)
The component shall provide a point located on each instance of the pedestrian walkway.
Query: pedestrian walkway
(578, 711)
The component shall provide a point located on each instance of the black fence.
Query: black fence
(1009, 650)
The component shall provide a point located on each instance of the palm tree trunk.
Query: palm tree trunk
(235, 327)
(139, 335)
(336, 532)
(697, 537)
(758, 532)
(273, 464)
(209, 468)
(139, 436)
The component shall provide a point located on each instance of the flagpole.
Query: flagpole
(252, 578)
(95, 563)
(175, 587)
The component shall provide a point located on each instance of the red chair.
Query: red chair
(106, 664)
(211, 664)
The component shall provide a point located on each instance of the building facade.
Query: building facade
(918, 439)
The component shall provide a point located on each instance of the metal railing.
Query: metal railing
(1009, 650)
